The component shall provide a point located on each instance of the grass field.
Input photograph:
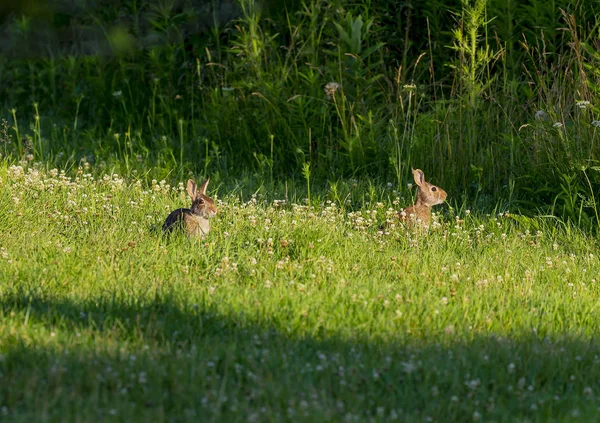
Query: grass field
(286, 311)
(298, 306)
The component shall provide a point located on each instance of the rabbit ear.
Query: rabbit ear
(203, 186)
(419, 176)
(191, 188)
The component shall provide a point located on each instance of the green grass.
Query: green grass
(297, 306)
(286, 312)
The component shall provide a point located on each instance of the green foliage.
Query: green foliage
(451, 86)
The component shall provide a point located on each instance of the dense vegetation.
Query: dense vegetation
(451, 86)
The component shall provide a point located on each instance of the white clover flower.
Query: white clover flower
(557, 125)
(408, 367)
(330, 89)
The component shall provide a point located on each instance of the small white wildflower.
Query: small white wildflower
(408, 366)
(557, 125)
(330, 89)
(582, 104)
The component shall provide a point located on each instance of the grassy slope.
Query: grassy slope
(284, 312)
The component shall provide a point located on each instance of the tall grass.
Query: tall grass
(454, 93)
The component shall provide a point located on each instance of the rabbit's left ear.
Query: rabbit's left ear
(203, 186)
(419, 176)
(191, 188)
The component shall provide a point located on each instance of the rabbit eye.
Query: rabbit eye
(200, 201)
(433, 188)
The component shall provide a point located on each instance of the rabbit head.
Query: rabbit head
(202, 205)
(427, 194)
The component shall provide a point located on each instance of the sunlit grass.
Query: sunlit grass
(307, 301)
(286, 311)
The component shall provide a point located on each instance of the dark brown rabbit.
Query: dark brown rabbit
(428, 195)
(195, 220)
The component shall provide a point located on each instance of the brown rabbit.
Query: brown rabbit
(427, 195)
(194, 220)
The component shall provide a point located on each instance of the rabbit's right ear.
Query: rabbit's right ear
(419, 176)
(191, 188)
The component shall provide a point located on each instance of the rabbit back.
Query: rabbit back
(175, 219)
(193, 224)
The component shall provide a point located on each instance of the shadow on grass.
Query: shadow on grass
(162, 362)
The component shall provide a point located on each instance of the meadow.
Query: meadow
(286, 311)
(308, 300)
